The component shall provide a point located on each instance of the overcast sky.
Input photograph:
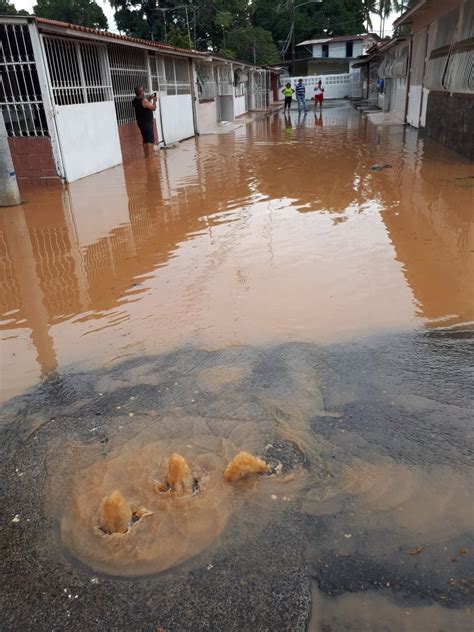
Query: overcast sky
(28, 5)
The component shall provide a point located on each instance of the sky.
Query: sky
(28, 5)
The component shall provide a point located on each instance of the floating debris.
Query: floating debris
(380, 167)
(16, 518)
(417, 550)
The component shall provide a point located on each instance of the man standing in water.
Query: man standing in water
(144, 109)
(301, 96)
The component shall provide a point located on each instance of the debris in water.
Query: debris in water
(417, 550)
(16, 518)
(244, 464)
(115, 514)
(463, 551)
(380, 167)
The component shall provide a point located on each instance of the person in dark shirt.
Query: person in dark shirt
(144, 109)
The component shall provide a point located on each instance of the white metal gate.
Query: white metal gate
(83, 106)
(177, 115)
(415, 95)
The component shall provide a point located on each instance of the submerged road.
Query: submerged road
(263, 290)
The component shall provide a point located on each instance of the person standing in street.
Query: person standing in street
(319, 96)
(144, 109)
(288, 93)
(301, 96)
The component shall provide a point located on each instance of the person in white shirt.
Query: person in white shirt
(319, 96)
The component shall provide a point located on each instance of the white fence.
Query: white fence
(335, 86)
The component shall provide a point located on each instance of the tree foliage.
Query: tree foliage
(83, 12)
(245, 29)
(7, 8)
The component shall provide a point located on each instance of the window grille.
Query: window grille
(20, 94)
(176, 75)
(460, 70)
(128, 69)
(78, 71)
(439, 49)
(205, 82)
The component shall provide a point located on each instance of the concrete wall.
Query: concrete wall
(335, 86)
(33, 161)
(450, 121)
(89, 138)
(206, 113)
(239, 106)
(327, 67)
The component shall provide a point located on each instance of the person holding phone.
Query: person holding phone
(144, 108)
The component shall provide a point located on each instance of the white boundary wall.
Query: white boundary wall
(335, 86)
(88, 137)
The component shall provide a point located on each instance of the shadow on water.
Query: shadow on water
(371, 512)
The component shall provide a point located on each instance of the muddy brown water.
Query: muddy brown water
(276, 232)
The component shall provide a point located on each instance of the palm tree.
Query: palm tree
(368, 7)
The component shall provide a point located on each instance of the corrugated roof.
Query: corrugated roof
(116, 36)
(405, 17)
(339, 38)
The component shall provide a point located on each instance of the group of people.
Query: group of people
(300, 91)
(145, 106)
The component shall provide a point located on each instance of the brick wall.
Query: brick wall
(33, 161)
(131, 141)
(450, 121)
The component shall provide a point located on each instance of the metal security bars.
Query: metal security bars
(78, 71)
(128, 69)
(20, 94)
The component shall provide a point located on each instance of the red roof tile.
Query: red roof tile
(117, 36)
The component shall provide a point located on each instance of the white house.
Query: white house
(335, 55)
(66, 94)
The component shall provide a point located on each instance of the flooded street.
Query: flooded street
(263, 290)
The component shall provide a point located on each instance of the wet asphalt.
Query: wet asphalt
(403, 397)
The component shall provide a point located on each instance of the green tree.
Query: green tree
(177, 37)
(7, 8)
(83, 12)
(253, 44)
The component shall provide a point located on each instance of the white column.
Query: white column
(9, 193)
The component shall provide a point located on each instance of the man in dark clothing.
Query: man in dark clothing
(144, 109)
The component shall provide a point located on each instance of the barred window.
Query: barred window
(78, 71)
(20, 95)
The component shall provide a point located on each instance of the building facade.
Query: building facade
(66, 94)
(336, 55)
(424, 76)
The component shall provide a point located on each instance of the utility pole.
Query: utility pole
(9, 193)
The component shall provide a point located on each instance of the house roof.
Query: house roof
(406, 17)
(340, 38)
(98, 34)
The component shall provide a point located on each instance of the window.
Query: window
(128, 68)
(20, 93)
(78, 71)
(325, 50)
(177, 76)
(349, 49)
